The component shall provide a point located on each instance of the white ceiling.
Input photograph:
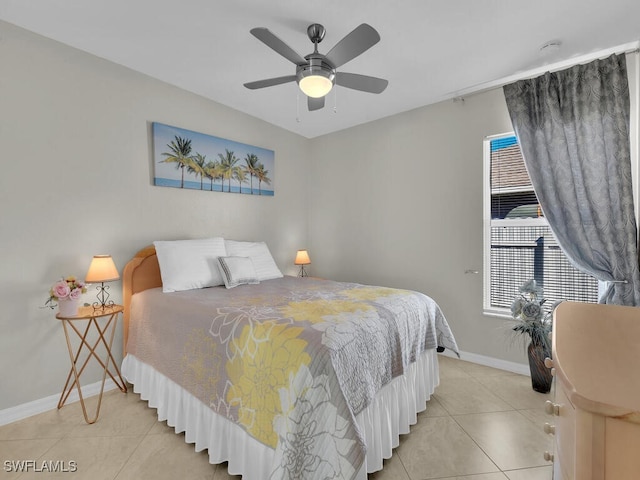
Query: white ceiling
(430, 50)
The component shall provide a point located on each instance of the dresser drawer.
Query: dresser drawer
(565, 433)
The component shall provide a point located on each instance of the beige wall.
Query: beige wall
(395, 202)
(76, 180)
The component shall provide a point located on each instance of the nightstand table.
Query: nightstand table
(92, 317)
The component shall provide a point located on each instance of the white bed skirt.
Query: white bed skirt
(391, 414)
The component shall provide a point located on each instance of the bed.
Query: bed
(285, 377)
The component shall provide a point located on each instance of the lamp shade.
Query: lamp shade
(102, 269)
(302, 258)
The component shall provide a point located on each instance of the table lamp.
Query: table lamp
(302, 259)
(102, 269)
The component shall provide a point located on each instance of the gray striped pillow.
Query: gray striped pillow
(237, 271)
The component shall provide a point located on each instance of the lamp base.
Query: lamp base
(302, 272)
(103, 302)
(103, 308)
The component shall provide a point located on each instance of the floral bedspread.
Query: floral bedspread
(291, 360)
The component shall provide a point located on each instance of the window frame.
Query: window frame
(488, 223)
(486, 227)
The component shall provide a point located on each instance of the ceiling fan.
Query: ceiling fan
(316, 74)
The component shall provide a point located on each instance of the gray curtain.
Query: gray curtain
(573, 129)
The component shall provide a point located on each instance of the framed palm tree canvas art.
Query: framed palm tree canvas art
(186, 159)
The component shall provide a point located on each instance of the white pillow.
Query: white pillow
(237, 271)
(265, 265)
(190, 264)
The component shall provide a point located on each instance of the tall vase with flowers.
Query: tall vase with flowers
(66, 294)
(534, 321)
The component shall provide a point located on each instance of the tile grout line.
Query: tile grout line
(476, 443)
(133, 451)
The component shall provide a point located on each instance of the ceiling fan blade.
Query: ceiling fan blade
(270, 82)
(361, 39)
(315, 103)
(271, 41)
(363, 83)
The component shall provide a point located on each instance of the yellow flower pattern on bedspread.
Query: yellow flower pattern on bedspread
(256, 379)
(315, 311)
(373, 293)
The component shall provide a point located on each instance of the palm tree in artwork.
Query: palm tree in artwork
(251, 166)
(212, 171)
(240, 175)
(197, 166)
(180, 154)
(227, 162)
(262, 174)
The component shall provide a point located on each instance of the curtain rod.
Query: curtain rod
(632, 47)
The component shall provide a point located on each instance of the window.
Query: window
(518, 243)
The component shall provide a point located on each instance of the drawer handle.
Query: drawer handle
(551, 408)
(549, 428)
(548, 362)
(548, 456)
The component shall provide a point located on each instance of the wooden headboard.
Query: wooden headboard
(140, 273)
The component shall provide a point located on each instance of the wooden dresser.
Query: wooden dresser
(596, 411)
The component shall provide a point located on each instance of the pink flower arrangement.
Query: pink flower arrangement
(65, 288)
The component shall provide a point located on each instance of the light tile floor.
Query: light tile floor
(481, 424)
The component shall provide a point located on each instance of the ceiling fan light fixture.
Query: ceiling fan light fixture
(315, 86)
(316, 79)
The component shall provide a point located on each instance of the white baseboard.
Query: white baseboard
(514, 367)
(13, 414)
(29, 409)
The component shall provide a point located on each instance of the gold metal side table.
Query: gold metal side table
(92, 317)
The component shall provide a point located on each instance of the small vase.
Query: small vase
(68, 307)
(541, 377)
